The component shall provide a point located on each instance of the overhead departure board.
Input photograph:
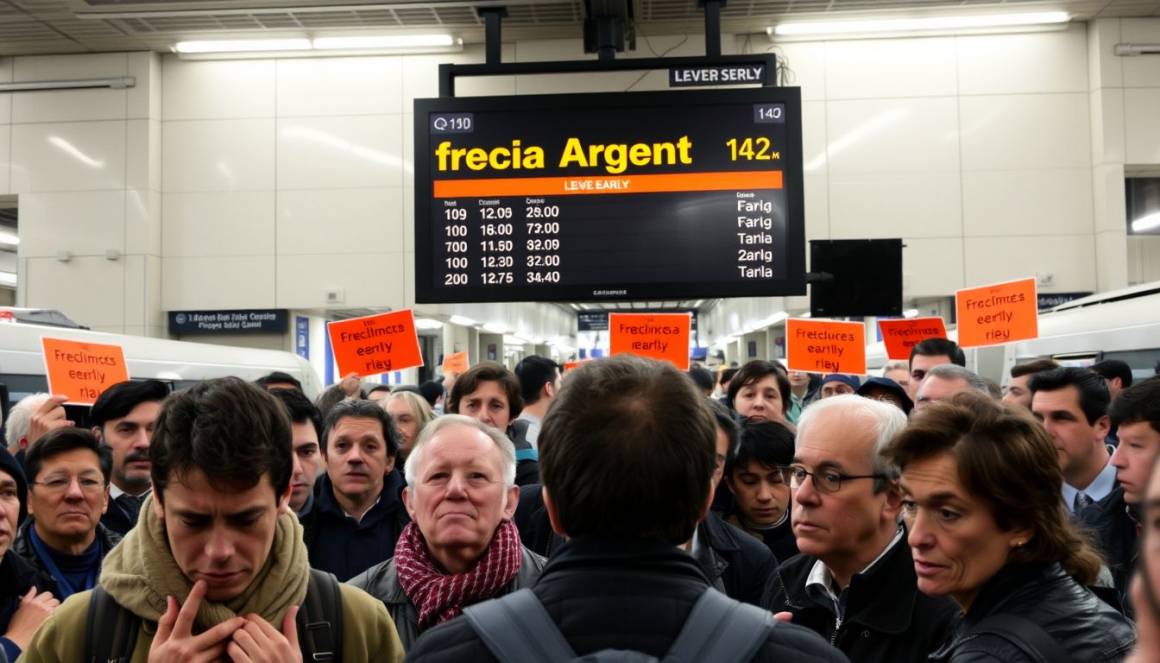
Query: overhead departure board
(619, 196)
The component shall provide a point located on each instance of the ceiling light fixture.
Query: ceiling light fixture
(361, 42)
(242, 46)
(8, 237)
(318, 46)
(927, 24)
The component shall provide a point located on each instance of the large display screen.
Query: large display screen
(618, 196)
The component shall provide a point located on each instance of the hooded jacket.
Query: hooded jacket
(141, 572)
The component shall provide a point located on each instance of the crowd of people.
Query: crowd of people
(621, 510)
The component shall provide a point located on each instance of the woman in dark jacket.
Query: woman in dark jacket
(987, 526)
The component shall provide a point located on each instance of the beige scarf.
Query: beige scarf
(140, 572)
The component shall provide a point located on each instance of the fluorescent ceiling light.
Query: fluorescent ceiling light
(462, 320)
(1146, 223)
(513, 340)
(910, 313)
(7, 278)
(9, 238)
(385, 41)
(427, 323)
(242, 45)
(930, 23)
(494, 328)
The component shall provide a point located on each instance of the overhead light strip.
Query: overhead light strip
(923, 24)
(302, 46)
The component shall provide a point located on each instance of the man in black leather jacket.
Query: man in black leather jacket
(626, 455)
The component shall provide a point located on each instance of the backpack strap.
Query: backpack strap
(516, 627)
(319, 621)
(1029, 637)
(110, 630)
(721, 630)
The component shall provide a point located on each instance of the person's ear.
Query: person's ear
(553, 515)
(408, 498)
(892, 506)
(511, 503)
(1103, 426)
(284, 500)
(97, 434)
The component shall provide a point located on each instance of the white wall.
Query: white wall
(86, 166)
(262, 183)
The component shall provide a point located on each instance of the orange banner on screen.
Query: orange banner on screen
(900, 336)
(997, 314)
(455, 362)
(585, 185)
(663, 336)
(82, 371)
(375, 343)
(825, 346)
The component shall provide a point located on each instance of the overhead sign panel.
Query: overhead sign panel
(723, 74)
(609, 196)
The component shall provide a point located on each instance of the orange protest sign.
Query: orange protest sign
(997, 314)
(825, 346)
(455, 362)
(900, 336)
(375, 343)
(569, 365)
(81, 370)
(663, 336)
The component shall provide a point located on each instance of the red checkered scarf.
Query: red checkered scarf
(440, 596)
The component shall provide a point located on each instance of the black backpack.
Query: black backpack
(517, 629)
(111, 631)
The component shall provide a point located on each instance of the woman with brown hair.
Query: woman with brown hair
(982, 498)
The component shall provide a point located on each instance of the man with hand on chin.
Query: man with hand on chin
(217, 537)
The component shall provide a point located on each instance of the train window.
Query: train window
(20, 386)
(1144, 363)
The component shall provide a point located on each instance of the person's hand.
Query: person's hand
(783, 616)
(351, 385)
(34, 610)
(48, 417)
(175, 642)
(259, 642)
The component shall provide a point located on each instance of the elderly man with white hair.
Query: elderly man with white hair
(31, 418)
(461, 546)
(854, 582)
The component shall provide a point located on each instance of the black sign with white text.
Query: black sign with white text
(753, 74)
(248, 321)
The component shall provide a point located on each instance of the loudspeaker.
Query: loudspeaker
(855, 277)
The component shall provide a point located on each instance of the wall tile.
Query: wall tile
(217, 89)
(1028, 202)
(817, 207)
(143, 222)
(5, 157)
(1024, 63)
(144, 98)
(218, 155)
(218, 224)
(805, 64)
(332, 152)
(1104, 68)
(932, 267)
(1025, 131)
(1110, 206)
(83, 223)
(79, 156)
(1107, 121)
(218, 282)
(1140, 71)
(143, 154)
(1070, 258)
(340, 220)
(1111, 248)
(340, 86)
(892, 135)
(6, 99)
(368, 279)
(1141, 110)
(895, 205)
(71, 286)
(875, 68)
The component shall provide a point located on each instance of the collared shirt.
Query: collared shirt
(533, 432)
(796, 404)
(1105, 483)
(820, 582)
(115, 492)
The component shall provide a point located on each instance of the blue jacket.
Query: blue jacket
(339, 545)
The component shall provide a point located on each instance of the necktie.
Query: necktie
(131, 506)
(1082, 501)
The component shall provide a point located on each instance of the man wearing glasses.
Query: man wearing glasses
(854, 581)
(68, 472)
